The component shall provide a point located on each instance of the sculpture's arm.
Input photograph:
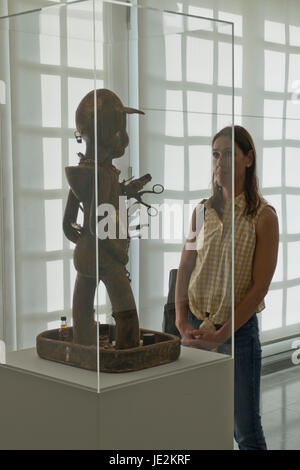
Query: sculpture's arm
(70, 217)
(131, 189)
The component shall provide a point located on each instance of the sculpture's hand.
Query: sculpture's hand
(77, 227)
(131, 189)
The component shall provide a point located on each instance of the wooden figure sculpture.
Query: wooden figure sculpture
(129, 353)
(112, 139)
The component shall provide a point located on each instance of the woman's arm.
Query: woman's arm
(186, 266)
(264, 264)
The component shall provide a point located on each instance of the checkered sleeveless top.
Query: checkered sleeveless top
(210, 286)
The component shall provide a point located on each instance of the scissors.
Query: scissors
(156, 189)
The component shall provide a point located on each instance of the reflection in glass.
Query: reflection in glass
(53, 218)
(199, 101)
(294, 70)
(77, 88)
(272, 127)
(292, 129)
(52, 163)
(51, 100)
(55, 286)
(198, 23)
(199, 124)
(294, 34)
(172, 217)
(275, 32)
(2, 92)
(174, 100)
(173, 57)
(199, 50)
(200, 168)
(292, 308)
(274, 71)
(292, 166)
(271, 174)
(292, 207)
(293, 259)
(272, 316)
(174, 167)
(278, 275)
(224, 65)
(233, 18)
(275, 200)
(49, 50)
(174, 124)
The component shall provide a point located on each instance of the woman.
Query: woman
(204, 289)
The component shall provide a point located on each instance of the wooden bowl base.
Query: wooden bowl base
(165, 349)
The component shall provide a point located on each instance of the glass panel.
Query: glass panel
(47, 67)
(179, 73)
(274, 162)
(138, 94)
(280, 187)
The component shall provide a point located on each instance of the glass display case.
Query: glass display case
(108, 113)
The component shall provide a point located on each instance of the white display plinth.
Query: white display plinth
(184, 405)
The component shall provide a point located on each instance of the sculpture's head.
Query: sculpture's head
(111, 121)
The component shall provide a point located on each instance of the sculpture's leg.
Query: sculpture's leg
(124, 308)
(84, 331)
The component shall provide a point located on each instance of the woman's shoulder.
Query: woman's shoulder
(266, 217)
(265, 208)
(201, 206)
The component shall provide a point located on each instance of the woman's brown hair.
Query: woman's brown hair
(252, 195)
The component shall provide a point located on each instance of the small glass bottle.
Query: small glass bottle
(63, 332)
(148, 338)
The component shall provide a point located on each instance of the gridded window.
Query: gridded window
(280, 173)
(52, 60)
(185, 106)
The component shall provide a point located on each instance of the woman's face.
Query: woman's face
(222, 162)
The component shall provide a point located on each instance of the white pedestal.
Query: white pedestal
(184, 405)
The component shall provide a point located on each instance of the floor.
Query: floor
(280, 409)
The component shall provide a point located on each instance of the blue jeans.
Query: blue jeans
(248, 431)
